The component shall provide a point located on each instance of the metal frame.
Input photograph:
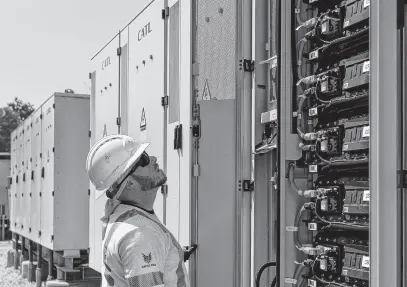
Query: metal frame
(384, 146)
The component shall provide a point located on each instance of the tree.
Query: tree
(10, 117)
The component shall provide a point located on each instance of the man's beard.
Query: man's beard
(151, 182)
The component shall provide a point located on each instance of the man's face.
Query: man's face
(150, 176)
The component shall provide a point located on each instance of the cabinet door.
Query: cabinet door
(20, 183)
(104, 113)
(172, 199)
(47, 174)
(36, 179)
(147, 81)
(13, 187)
(26, 195)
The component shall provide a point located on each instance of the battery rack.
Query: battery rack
(330, 107)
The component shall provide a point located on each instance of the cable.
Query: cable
(262, 268)
(274, 282)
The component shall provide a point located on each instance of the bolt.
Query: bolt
(151, 57)
(207, 19)
(220, 10)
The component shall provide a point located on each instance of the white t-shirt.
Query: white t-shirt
(139, 251)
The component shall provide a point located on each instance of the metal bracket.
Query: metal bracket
(165, 13)
(246, 185)
(248, 65)
(164, 101)
(402, 179)
(178, 137)
(164, 189)
(119, 121)
(119, 51)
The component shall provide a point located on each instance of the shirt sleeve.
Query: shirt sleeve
(141, 258)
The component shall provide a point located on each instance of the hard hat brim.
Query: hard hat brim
(129, 165)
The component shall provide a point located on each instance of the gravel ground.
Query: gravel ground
(9, 277)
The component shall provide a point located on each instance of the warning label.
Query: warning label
(143, 122)
(206, 96)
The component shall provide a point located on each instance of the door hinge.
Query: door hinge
(53, 193)
(43, 172)
(119, 51)
(196, 170)
(23, 177)
(247, 65)
(90, 76)
(246, 185)
(402, 179)
(196, 131)
(32, 175)
(164, 189)
(165, 13)
(90, 134)
(178, 137)
(52, 237)
(89, 192)
(164, 101)
(119, 121)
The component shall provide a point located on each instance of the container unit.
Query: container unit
(155, 106)
(63, 196)
(13, 176)
(35, 177)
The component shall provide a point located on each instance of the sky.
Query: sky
(46, 45)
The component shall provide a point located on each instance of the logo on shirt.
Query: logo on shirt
(147, 260)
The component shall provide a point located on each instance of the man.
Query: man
(138, 250)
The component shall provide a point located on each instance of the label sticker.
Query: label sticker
(322, 264)
(312, 226)
(366, 261)
(290, 281)
(291, 228)
(324, 27)
(366, 3)
(366, 131)
(366, 67)
(314, 55)
(312, 283)
(346, 24)
(273, 115)
(345, 85)
(323, 86)
(345, 272)
(313, 112)
(313, 168)
(345, 147)
(324, 205)
(345, 209)
(366, 195)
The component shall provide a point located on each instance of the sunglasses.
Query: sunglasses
(143, 161)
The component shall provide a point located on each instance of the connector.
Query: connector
(310, 136)
(312, 251)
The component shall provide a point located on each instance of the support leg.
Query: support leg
(38, 273)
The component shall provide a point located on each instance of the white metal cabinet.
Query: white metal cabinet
(4, 172)
(19, 180)
(36, 167)
(104, 114)
(13, 186)
(26, 194)
(47, 174)
(146, 87)
(64, 189)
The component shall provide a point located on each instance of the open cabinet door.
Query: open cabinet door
(173, 122)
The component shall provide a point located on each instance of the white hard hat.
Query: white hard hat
(112, 158)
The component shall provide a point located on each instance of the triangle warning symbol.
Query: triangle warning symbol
(143, 122)
(206, 96)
